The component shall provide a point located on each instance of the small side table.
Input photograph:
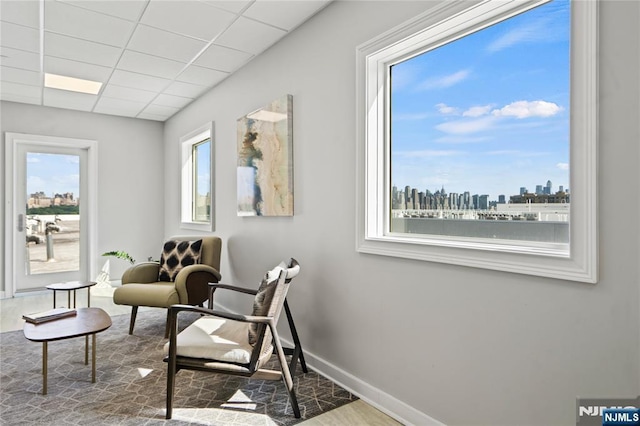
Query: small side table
(87, 322)
(68, 287)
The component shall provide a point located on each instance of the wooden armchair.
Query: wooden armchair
(226, 343)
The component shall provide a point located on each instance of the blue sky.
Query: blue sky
(53, 173)
(203, 184)
(488, 113)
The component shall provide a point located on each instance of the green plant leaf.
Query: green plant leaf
(120, 255)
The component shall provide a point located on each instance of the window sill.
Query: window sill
(531, 261)
(195, 226)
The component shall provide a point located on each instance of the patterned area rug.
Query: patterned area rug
(130, 384)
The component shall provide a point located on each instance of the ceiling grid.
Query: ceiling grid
(153, 57)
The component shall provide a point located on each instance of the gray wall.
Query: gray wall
(463, 345)
(130, 175)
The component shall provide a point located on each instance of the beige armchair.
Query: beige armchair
(141, 285)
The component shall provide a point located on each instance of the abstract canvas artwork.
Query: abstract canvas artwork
(265, 160)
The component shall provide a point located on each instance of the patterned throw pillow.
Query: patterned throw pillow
(263, 299)
(176, 255)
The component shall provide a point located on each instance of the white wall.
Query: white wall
(463, 345)
(130, 174)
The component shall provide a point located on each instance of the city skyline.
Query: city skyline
(532, 189)
(486, 110)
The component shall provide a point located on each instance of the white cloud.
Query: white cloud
(517, 153)
(411, 117)
(427, 153)
(445, 81)
(35, 182)
(563, 166)
(511, 38)
(460, 139)
(524, 109)
(31, 159)
(467, 126)
(446, 109)
(503, 152)
(547, 29)
(477, 111)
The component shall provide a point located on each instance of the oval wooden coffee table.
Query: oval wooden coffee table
(87, 322)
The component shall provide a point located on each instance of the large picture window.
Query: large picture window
(197, 179)
(477, 138)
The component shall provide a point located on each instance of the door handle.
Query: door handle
(20, 222)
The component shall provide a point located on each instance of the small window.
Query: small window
(197, 179)
(460, 111)
(201, 161)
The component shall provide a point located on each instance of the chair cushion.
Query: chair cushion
(216, 339)
(176, 255)
(159, 295)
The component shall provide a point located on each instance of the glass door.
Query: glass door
(50, 220)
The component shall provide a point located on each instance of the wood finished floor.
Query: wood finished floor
(11, 311)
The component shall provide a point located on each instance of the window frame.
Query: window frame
(442, 24)
(187, 144)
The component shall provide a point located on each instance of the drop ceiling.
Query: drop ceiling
(153, 57)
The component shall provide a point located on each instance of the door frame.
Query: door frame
(12, 140)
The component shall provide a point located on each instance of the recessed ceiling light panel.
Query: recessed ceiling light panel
(72, 84)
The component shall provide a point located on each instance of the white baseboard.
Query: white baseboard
(373, 396)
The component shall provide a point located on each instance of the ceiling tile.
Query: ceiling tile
(165, 44)
(234, 6)
(67, 99)
(202, 76)
(138, 81)
(172, 101)
(127, 93)
(192, 18)
(19, 37)
(21, 12)
(17, 75)
(76, 69)
(73, 21)
(18, 98)
(250, 36)
(187, 90)
(151, 65)
(129, 9)
(80, 50)
(223, 58)
(154, 117)
(283, 14)
(118, 107)
(19, 59)
(20, 89)
(160, 110)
